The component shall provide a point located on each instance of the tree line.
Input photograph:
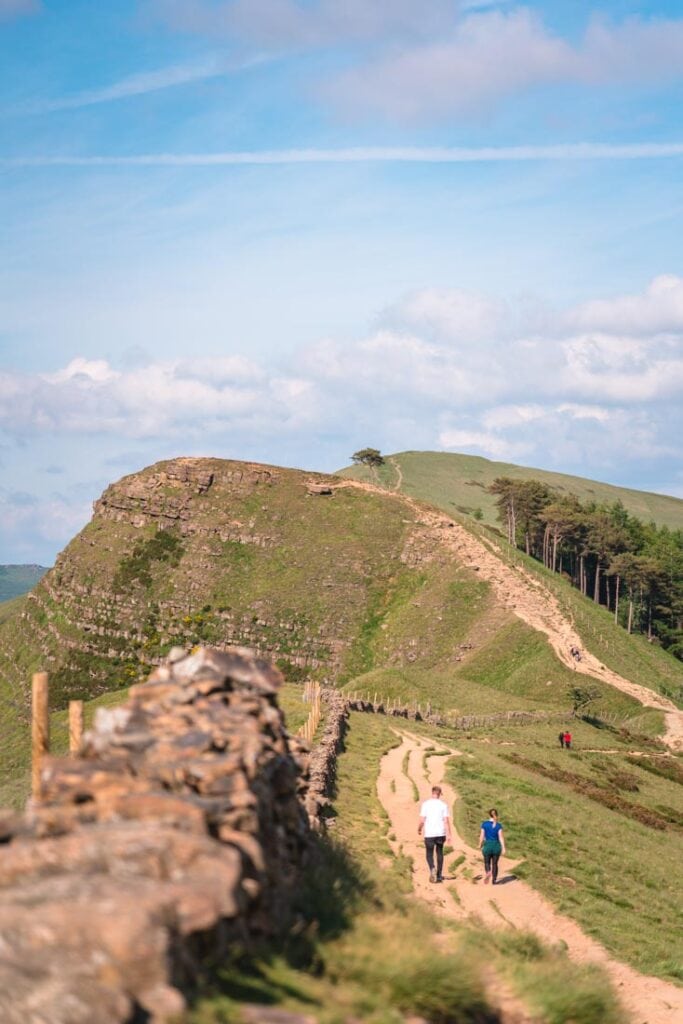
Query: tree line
(632, 568)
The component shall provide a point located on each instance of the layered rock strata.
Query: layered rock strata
(178, 832)
(211, 552)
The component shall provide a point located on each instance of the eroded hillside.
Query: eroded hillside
(355, 586)
(209, 550)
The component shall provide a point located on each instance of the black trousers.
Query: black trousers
(435, 843)
(491, 864)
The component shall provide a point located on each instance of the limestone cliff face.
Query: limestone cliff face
(196, 551)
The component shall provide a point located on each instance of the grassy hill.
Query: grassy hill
(16, 580)
(459, 483)
(426, 476)
(349, 587)
(344, 587)
(340, 587)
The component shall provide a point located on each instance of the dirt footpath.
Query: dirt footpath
(511, 903)
(525, 595)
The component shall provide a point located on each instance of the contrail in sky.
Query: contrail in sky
(363, 154)
(141, 83)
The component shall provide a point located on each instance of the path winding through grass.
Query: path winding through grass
(524, 594)
(512, 903)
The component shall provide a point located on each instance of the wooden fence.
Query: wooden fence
(40, 728)
(312, 695)
(365, 701)
(368, 701)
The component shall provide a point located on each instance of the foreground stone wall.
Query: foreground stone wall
(179, 831)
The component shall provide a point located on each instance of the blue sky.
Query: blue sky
(282, 230)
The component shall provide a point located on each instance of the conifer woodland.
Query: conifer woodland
(634, 569)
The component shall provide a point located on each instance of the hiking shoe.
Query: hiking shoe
(439, 878)
(432, 875)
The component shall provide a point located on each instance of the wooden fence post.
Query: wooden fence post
(40, 730)
(75, 725)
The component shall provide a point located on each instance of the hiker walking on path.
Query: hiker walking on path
(562, 739)
(492, 845)
(568, 740)
(435, 823)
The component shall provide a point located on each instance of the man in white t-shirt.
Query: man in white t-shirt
(435, 823)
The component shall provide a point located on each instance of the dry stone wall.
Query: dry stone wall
(322, 767)
(178, 832)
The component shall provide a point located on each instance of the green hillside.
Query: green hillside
(16, 580)
(350, 587)
(343, 587)
(459, 483)
(425, 476)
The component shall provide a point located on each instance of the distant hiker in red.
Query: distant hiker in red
(568, 740)
(562, 740)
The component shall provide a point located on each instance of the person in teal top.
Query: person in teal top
(492, 845)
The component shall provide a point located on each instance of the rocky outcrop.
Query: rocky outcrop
(178, 832)
(193, 551)
(165, 497)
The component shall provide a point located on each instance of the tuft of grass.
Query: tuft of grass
(405, 768)
(456, 862)
(555, 990)
(560, 991)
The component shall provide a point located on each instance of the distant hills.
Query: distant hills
(459, 482)
(16, 580)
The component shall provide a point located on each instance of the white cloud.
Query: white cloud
(479, 442)
(182, 398)
(623, 369)
(299, 24)
(400, 364)
(446, 367)
(85, 371)
(31, 528)
(505, 416)
(584, 412)
(493, 55)
(450, 313)
(658, 310)
(16, 8)
(439, 57)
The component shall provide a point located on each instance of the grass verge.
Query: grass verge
(378, 961)
(596, 863)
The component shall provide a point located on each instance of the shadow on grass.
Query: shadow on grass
(330, 891)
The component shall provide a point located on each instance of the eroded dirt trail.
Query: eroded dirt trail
(511, 903)
(527, 597)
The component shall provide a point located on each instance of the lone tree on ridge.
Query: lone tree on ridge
(368, 457)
